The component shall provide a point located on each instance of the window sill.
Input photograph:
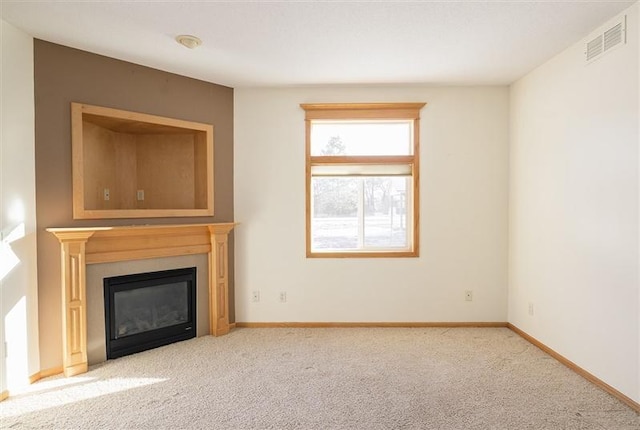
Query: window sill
(363, 254)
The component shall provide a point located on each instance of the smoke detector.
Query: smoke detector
(189, 41)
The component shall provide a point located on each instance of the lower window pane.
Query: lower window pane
(334, 218)
(385, 212)
(360, 213)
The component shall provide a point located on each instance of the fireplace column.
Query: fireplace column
(219, 280)
(74, 302)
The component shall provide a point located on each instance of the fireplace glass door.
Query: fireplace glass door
(148, 310)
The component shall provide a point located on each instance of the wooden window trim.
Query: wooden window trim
(358, 111)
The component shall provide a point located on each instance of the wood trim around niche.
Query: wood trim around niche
(133, 124)
(82, 246)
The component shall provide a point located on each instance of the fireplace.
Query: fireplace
(148, 310)
(83, 246)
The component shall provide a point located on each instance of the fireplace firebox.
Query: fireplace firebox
(148, 310)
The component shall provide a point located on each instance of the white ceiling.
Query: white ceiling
(272, 43)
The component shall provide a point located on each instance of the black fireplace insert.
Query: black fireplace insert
(148, 310)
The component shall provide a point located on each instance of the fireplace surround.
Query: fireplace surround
(89, 245)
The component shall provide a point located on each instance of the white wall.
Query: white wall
(18, 288)
(463, 245)
(573, 209)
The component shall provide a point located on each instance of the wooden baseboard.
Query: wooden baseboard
(44, 374)
(367, 324)
(579, 370)
(4, 395)
(232, 326)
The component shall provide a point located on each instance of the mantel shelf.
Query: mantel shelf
(88, 245)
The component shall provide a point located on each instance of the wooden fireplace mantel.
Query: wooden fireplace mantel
(89, 245)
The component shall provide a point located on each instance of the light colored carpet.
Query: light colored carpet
(361, 378)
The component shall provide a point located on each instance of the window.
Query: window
(362, 179)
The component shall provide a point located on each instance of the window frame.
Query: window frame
(364, 111)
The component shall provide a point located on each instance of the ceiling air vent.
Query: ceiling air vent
(613, 36)
(606, 39)
(594, 48)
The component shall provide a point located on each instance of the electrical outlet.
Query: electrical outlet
(255, 296)
(468, 295)
(106, 194)
(140, 195)
(530, 309)
(283, 297)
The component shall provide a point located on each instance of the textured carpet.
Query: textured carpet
(388, 378)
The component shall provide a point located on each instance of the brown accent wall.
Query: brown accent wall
(64, 75)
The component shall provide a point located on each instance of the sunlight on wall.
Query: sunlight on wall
(18, 257)
(8, 258)
(15, 323)
(15, 212)
(16, 233)
(16, 341)
(55, 393)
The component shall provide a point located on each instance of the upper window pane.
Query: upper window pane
(361, 138)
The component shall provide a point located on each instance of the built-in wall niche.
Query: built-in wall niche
(136, 165)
